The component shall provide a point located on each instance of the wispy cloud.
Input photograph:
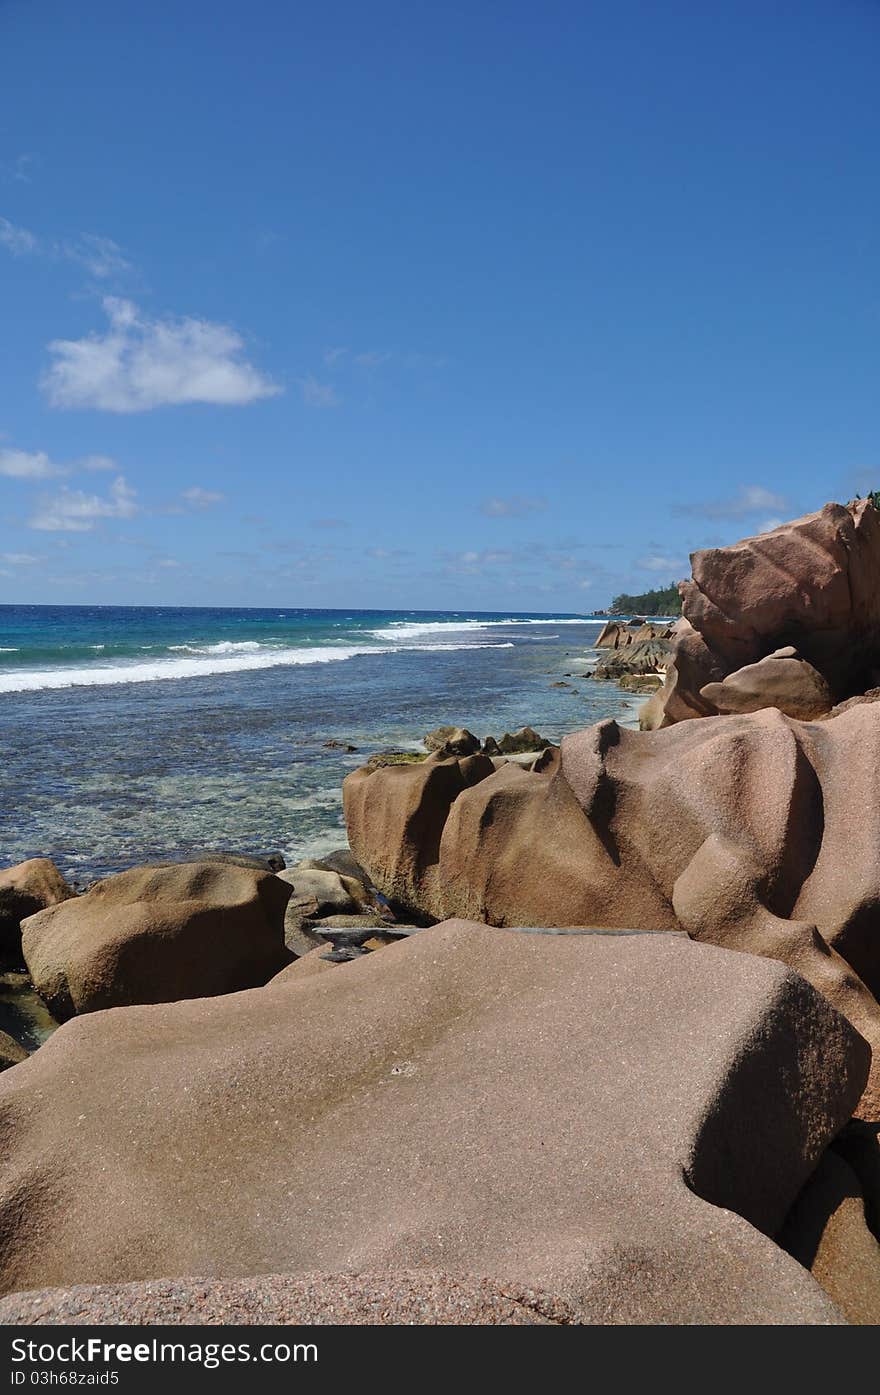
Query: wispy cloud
(751, 499)
(141, 363)
(317, 394)
(515, 506)
(18, 171)
(202, 498)
(37, 465)
(20, 559)
(29, 465)
(662, 562)
(19, 241)
(101, 257)
(72, 511)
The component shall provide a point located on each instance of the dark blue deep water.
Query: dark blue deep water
(130, 733)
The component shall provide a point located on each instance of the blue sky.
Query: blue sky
(476, 306)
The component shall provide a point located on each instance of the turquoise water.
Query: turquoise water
(131, 733)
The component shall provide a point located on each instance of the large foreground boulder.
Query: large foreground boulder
(155, 934)
(616, 1122)
(755, 832)
(25, 889)
(813, 584)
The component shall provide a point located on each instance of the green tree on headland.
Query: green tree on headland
(664, 601)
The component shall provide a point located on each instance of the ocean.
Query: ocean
(134, 733)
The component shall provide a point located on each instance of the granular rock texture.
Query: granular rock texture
(25, 889)
(617, 1122)
(756, 832)
(320, 1299)
(813, 584)
(155, 934)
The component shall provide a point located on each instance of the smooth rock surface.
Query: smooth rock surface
(617, 1121)
(25, 889)
(781, 680)
(755, 832)
(156, 934)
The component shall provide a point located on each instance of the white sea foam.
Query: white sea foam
(212, 662)
(226, 646)
(8, 649)
(403, 629)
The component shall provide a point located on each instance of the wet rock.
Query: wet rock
(11, 1053)
(526, 739)
(454, 741)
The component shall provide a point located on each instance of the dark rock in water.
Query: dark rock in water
(369, 920)
(526, 739)
(560, 685)
(272, 862)
(343, 955)
(23, 1014)
(342, 860)
(455, 741)
(347, 938)
(334, 745)
(25, 889)
(647, 656)
(156, 934)
(396, 758)
(11, 1054)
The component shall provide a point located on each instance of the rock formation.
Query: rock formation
(755, 832)
(25, 889)
(614, 1124)
(155, 934)
(812, 585)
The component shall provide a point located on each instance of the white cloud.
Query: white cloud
(769, 524)
(140, 364)
(661, 562)
(317, 394)
(97, 462)
(101, 256)
(18, 241)
(202, 498)
(168, 562)
(72, 511)
(751, 499)
(516, 506)
(29, 465)
(19, 559)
